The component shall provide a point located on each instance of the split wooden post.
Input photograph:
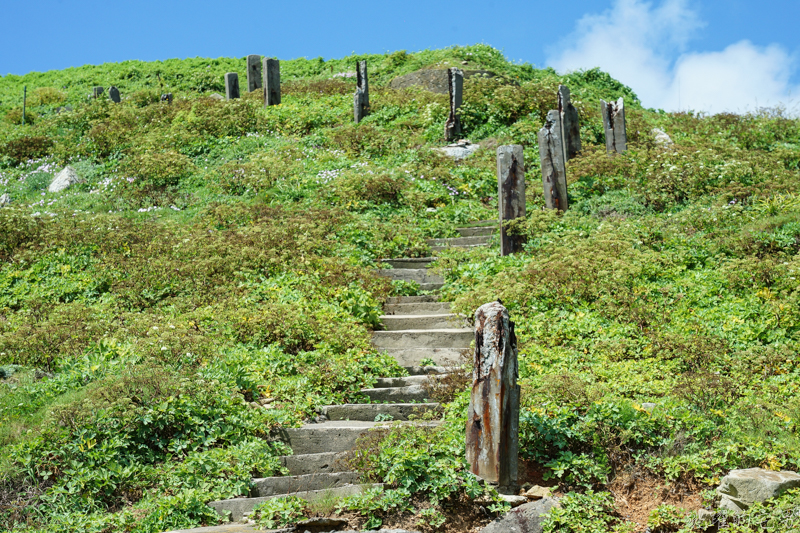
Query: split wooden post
(570, 124)
(97, 92)
(231, 85)
(361, 98)
(113, 93)
(551, 153)
(614, 125)
(455, 84)
(253, 73)
(510, 194)
(493, 416)
(272, 81)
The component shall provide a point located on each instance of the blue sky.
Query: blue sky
(730, 55)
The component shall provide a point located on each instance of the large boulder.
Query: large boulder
(64, 179)
(527, 518)
(434, 80)
(742, 488)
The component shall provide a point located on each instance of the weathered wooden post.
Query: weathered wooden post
(551, 153)
(493, 417)
(113, 93)
(272, 81)
(167, 97)
(570, 124)
(231, 85)
(361, 99)
(614, 125)
(24, 102)
(455, 84)
(97, 92)
(510, 194)
(253, 73)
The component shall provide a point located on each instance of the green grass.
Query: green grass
(219, 253)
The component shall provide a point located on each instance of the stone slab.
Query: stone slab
(527, 518)
(314, 462)
(270, 486)
(398, 411)
(420, 275)
(412, 357)
(460, 241)
(422, 308)
(423, 338)
(439, 321)
(409, 299)
(480, 230)
(413, 393)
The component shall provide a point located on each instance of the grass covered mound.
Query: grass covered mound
(218, 258)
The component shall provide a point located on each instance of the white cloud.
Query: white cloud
(644, 46)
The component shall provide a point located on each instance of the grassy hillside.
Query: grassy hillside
(219, 254)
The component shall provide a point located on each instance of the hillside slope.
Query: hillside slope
(220, 254)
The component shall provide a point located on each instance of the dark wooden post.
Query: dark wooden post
(24, 102)
(455, 84)
(551, 153)
(361, 99)
(493, 416)
(272, 81)
(510, 194)
(570, 124)
(167, 97)
(253, 73)
(113, 93)
(97, 92)
(614, 126)
(231, 85)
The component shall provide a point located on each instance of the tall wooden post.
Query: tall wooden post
(113, 93)
(614, 126)
(97, 92)
(455, 84)
(231, 85)
(24, 102)
(570, 124)
(361, 99)
(253, 73)
(272, 81)
(493, 416)
(510, 194)
(551, 153)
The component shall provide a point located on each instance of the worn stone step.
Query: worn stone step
(229, 528)
(417, 370)
(412, 357)
(423, 338)
(435, 249)
(401, 322)
(412, 393)
(399, 300)
(476, 223)
(402, 381)
(430, 287)
(325, 437)
(368, 411)
(420, 275)
(460, 241)
(271, 486)
(479, 230)
(311, 463)
(409, 262)
(236, 508)
(421, 308)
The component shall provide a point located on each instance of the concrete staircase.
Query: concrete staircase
(424, 336)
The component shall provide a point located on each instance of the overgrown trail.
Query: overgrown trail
(425, 338)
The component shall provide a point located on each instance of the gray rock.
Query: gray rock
(5, 199)
(706, 516)
(64, 179)
(434, 80)
(648, 406)
(216, 96)
(662, 139)
(459, 150)
(526, 518)
(513, 500)
(742, 488)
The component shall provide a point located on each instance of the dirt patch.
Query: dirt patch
(637, 493)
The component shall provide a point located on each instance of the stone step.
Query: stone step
(460, 241)
(402, 381)
(476, 223)
(479, 230)
(368, 411)
(333, 436)
(399, 300)
(412, 357)
(412, 393)
(425, 370)
(420, 275)
(409, 262)
(423, 338)
(401, 322)
(430, 287)
(238, 507)
(435, 249)
(312, 463)
(272, 486)
(229, 528)
(422, 308)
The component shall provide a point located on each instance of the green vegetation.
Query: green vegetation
(219, 257)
